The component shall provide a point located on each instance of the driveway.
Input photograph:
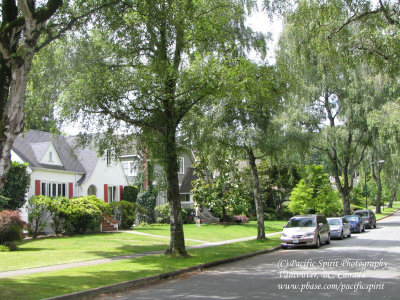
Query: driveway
(366, 266)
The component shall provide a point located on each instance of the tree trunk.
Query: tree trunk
(13, 116)
(392, 198)
(344, 192)
(256, 191)
(377, 177)
(394, 182)
(177, 242)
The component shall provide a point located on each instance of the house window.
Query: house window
(53, 189)
(108, 157)
(92, 190)
(130, 168)
(112, 193)
(181, 163)
(50, 156)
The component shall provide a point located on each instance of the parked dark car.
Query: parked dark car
(340, 228)
(356, 223)
(368, 216)
(309, 230)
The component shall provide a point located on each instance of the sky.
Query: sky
(260, 22)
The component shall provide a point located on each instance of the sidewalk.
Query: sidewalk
(118, 258)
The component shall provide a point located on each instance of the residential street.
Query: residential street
(366, 266)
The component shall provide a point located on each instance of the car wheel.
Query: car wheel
(363, 229)
(341, 235)
(328, 240)
(318, 243)
(284, 247)
(375, 224)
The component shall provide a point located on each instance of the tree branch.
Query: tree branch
(71, 23)
(353, 19)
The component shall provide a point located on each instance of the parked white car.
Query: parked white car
(339, 228)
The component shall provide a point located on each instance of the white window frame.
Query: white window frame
(181, 164)
(112, 193)
(53, 189)
(108, 157)
(130, 168)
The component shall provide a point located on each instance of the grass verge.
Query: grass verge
(58, 250)
(215, 232)
(387, 211)
(49, 284)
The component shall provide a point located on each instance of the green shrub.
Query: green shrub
(124, 212)
(11, 226)
(4, 202)
(130, 193)
(4, 248)
(188, 215)
(162, 213)
(59, 222)
(85, 213)
(314, 194)
(16, 187)
(38, 214)
(147, 200)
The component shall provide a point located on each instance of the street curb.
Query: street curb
(389, 215)
(157, 278)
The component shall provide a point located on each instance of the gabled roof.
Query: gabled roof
(33, 144)
(39, 149)
(87, 156)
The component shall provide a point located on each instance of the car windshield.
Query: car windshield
(352, 218)
(362, 213)
(301, 222)
(334, 222)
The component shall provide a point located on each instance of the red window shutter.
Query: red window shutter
(106, 193)
(121, 191)
(71, 190)
(37, 187)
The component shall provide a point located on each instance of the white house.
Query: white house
(59, 167)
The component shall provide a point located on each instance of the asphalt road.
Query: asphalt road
(365, 266)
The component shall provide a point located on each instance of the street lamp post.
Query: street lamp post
(365, 184)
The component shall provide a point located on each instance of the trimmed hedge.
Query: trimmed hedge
(130, 193)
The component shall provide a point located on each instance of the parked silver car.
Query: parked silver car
(311, 230)
(339, 228)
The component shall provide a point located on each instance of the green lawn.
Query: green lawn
(386, 211)
(50, 251)
(58, 250)
(42, 285)
(215, 232)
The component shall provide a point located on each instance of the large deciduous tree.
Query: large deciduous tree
(26, 26)
(240, 119)
(22, 22)
(144, 64)
(331, 86)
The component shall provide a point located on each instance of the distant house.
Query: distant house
(61, 168)
(135, 165)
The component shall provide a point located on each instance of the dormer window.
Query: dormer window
(108, 157)
(50, 156)
(181, 163)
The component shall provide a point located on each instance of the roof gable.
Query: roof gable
(34, 147)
